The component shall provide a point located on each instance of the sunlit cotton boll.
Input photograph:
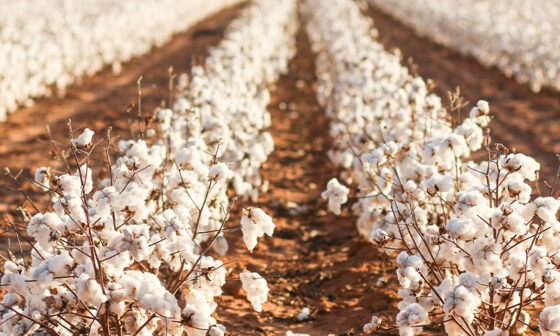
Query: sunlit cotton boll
(256, 288)
(85, 139)
(337, 194)
(255, 223)
(550, 321)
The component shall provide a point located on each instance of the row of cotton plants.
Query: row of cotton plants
(519, 37)
(50, 45)
(474, 250)
(130, 254)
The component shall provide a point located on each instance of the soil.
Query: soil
(315, 259)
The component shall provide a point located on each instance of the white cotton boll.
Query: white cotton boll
(457, 144)
(374, 158)
(290, 333)
(89, 291)
(550, 321)
(518, 190)
(547, 208)
(483, 106)
(85, 139)
(539, 261)
(372, 326)
(216, 330)
(255, 223)
(462, 302)
(462, 228)
(58, 266)
(468, 201)
(256, 288)
(439, 183)
(70, 185)
(42, 178)
(379, 237)
(45, 228)
(219, 172)
(485, 256)
(411, 317)
(469, 280)
(526, 166)
(220, 245)
(337, 194)
(304, 314)
(472, 133)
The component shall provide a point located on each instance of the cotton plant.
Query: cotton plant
(476, 247)
(131, 253)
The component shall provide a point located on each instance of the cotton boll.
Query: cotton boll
(372, 326)
(89, 291)
(85, 139)
(216, 330)
(547, 208)
(219, 172)
(549, 324)
(304, 315)
(256, 288)
(70, 185)
(410, 318)
(337, 194)
(462, 229)
(42, 178)
(220, 245)
(439, 183)
(461, 301)
(255, 223)
(526, 166)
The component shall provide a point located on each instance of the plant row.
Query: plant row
(474, 249)
(46, 46)
(519, 37)
(135, 253)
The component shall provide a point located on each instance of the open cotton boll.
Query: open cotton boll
(550, 321)
(42, 178)
(89, 291)
(462, 228)
(524, 165)
(85, 139)
(304, 314)
(291, 333)
(462, 302)
(337, 194)
(256, 288)
(219, 172)
(216, 330)
(255, 223)
(372, 326)
(59, 265)
(410, 318)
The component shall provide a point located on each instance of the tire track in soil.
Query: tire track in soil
(315, 259)
(99, 102)
(525, 121)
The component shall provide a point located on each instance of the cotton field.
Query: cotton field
(290, 167)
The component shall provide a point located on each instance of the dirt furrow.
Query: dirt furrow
(99, 102)
(525, 121)
(314, 259)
